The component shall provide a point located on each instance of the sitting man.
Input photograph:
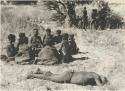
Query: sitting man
(11, 49)
(79, 78)
(48, 55)
(48, 37)
(65, 51)
(58, 37)
(73, 46)
(36, 44)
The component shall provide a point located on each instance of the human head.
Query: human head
(36, 32)
(11, 37)
(71, 36)
(65, 36)
(48, 31)
(85, 8)
(58, 32)
(21, 35)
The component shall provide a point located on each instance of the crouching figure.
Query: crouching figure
(79, 78)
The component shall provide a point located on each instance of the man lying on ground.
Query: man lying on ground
(79, 78)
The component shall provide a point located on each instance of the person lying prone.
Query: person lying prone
(79, 78)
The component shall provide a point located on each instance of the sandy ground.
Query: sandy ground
(99, 59)
(102, 52)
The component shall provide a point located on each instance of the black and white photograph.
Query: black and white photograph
(62, 45)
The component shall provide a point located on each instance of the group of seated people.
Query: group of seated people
(42, 51)
(45, 52)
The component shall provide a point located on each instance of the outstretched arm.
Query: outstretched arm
(59, 78)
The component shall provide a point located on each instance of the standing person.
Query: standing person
(85, 18)
(103, 18)
(48, 37)
(65, 49)
(72, 44)
(71, 12)
(11, 49)
(94, 19)
(36, 43)
(58, 37)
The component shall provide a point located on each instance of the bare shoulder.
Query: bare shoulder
(86, 74)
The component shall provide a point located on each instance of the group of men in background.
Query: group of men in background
(101, 18)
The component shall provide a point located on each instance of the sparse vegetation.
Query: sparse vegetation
(105, 50)
(63, 10)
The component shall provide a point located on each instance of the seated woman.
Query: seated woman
(23, 49)
(11, 49)
(79, 78)
(48, 55)
(72, 44)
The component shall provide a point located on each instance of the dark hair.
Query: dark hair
(48, 30)
(58, 31)
(71, 35)
(65, 36)
(84, 7)
(11, 37)
(21, 35)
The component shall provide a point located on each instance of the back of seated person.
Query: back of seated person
(48, 55)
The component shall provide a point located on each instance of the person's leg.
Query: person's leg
(39, 76)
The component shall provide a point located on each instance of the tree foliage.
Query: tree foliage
(67, 10)
(60, 14)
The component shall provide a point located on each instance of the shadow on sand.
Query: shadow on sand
(82, 58)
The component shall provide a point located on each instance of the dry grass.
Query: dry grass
(105, 50)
